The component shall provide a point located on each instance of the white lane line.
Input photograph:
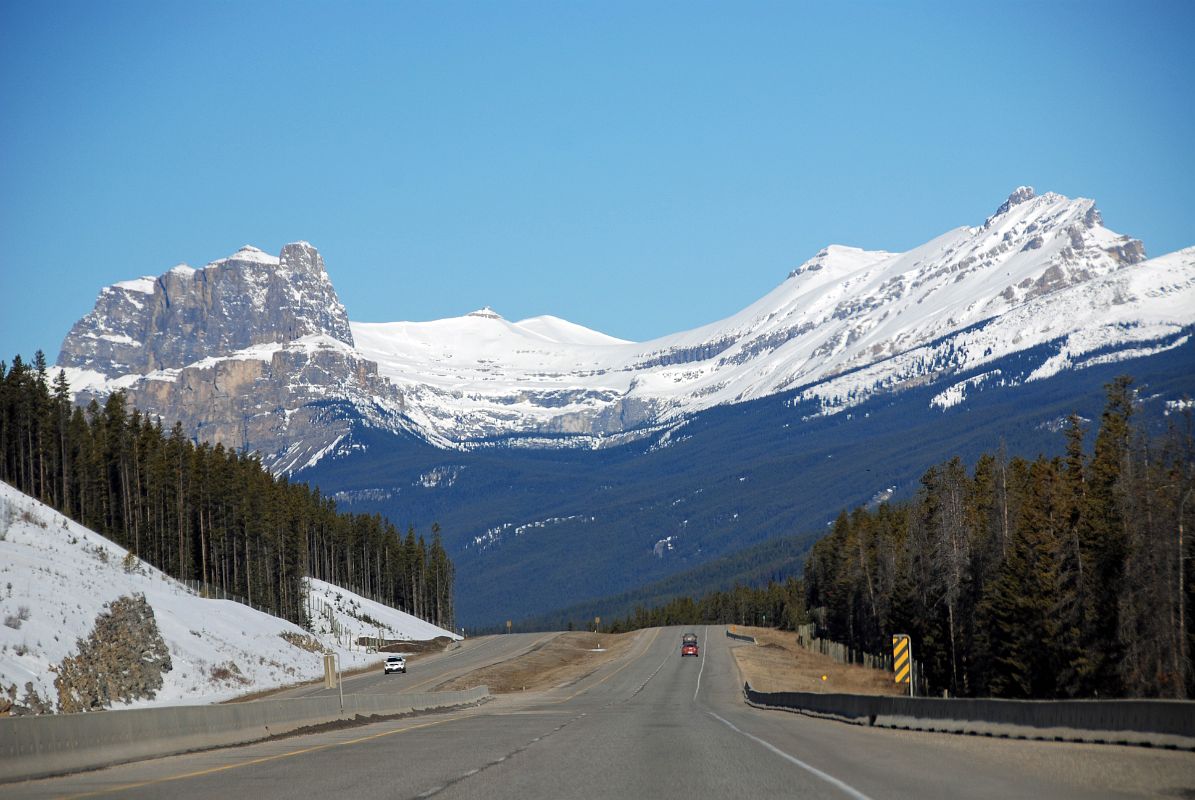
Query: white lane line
(643, 686)
(703, 658)
(830, 779)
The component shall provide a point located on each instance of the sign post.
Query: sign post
(597, 621)
(902, 659)
(332, 676)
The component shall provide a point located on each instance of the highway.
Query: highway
(648, 725)
(426, 671)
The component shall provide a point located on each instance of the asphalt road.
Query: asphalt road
(650, 725)
(427, 670)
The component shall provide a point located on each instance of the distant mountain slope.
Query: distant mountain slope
(56, 576)
(534, 530)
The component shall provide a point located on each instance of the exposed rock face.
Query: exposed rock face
(291, 405)
(123, 659)
(185, 315)
(251, 351)
(1019, 195)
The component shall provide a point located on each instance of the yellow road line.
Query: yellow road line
(302, 751)
(264, 759)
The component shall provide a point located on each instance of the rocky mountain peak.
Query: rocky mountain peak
(186, 315)
(1018, 196)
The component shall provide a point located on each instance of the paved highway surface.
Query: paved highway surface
(650, 725)
(426, 671)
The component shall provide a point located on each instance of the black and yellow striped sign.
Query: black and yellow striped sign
(902, 657)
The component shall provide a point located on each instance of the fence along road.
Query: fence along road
(651, 724)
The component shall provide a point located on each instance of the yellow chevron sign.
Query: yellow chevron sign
(902, 657)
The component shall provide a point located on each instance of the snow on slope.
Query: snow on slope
(1045, 262)
(63, 574)
(337, 612)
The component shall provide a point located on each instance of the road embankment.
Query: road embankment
(32, 747)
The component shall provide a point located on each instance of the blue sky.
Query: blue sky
(639, 168)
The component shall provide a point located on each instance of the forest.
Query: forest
(777, 605)
(1065, 577)
(1052, 578)
(205, 513)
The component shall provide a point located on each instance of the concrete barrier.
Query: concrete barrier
(32, 747)
(1160, 723)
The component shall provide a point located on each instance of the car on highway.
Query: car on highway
(688, 645)
(395, 664)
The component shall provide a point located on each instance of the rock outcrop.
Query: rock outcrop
(122, 660)
(252, 351)
(185, 315)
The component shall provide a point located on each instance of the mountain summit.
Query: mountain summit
(185, 315)
(257, 351)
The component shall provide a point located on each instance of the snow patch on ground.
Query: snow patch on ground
(58, 575)
(339, 613)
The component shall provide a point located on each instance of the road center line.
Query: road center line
(704, 642)
(825, 776)
(251, 762)
(630, 660)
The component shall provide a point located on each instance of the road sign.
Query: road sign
(508, 626)
(329, 670)
(902, 659)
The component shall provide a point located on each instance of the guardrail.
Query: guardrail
(34, 747)
(1159, 723)
(740, 637)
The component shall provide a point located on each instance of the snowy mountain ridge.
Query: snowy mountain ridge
(844, 326)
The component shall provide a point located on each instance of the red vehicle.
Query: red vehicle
(688, 646)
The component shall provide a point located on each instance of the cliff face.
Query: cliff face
(251, 351)
(186, 315)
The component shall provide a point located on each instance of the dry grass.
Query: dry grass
(562, 660)
(777, 664)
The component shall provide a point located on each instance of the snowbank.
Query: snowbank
(56, 576)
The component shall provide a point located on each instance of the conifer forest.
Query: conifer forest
(205, 513)
(1051, 578)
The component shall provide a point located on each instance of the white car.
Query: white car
(395, 664)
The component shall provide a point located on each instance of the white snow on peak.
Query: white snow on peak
(185, 270)
(837, 259)
(565, 332)
(485, 312)
(142, 285)
(252, 255)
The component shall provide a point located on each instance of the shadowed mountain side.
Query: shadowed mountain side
(531, 531)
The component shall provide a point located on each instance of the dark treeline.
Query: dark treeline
(1063, 577)
(204, 513)
(778, 605)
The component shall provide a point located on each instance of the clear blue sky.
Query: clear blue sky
(639, 168)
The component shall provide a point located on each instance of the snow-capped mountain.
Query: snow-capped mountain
(846, 325)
